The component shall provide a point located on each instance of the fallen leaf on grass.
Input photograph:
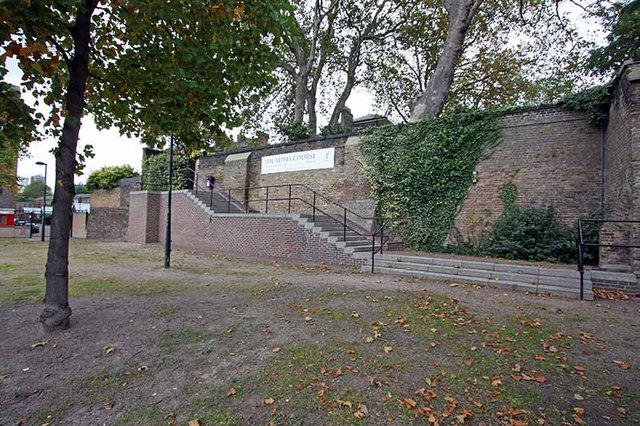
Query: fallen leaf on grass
(474, 402)
(468, 362)
(409, 403)
(275, 350)
(355, 314)
(549, 348)
(578, 397)
(345, 403)
(622, 411)
(362, 412)
(109, 350)
(268, 401)
(3, 377)
(578, 420)
(622, 365)
(578, 410)
(108, 405)
(351, 351)
(232, 391)
(388, 349)
(194, 422)
(308, 318)
(539, 357)
(369, 339)
(39, 344)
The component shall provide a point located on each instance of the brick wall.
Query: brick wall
(105, 198)
(622, 174)
(244, 235)
(144, 211)
(108, 223)
(553, 158)
(344, 183)
(7, 199)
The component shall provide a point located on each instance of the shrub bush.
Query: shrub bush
(108, 177)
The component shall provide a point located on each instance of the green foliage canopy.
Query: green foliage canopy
(32, 191)
(155, 172)
(622, 19)
(107, 177)
(419, 173)
(17, 130)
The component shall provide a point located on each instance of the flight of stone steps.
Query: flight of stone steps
(535, 279)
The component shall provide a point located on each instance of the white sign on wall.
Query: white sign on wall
(295, 161)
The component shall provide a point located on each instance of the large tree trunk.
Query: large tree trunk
(431, 101)
(352, 66)
(56, 311)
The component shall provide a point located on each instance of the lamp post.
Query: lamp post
(44, 198)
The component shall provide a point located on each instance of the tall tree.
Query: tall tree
(622, 20)
(151, 67)
(430, 102)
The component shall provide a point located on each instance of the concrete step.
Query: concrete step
(563, 279)
(511, 285)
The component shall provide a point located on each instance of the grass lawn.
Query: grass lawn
(231, 341)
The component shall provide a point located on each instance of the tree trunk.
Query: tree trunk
(56, 312)
(431, 101)
(352, 66)
(311, 109)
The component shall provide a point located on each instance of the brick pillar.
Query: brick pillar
(144, 216)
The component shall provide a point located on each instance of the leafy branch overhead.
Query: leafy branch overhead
(151, 68)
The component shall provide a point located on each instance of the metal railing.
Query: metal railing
(289, 198)
(301, 199)
(582, 244)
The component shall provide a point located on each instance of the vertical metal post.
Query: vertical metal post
(44, 204)
(211, 198)
(266, 203)
(167, 240)
(382, 235)
(30, 225)
(344, 226)
(314, 206)
(373, 252)
(289, 209)
(229, 201)
(581, 258)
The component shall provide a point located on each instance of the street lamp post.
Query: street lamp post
(44, 198)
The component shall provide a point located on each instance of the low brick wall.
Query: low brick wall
(108, 223)
(255, 235)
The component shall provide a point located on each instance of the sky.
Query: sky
(112, 149)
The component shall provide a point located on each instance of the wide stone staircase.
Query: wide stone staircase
(352, 240)
(333, 231)
(218, 201)
(512, 276)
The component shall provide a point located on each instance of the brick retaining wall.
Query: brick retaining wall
(275, 236)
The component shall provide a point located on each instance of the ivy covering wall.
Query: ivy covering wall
(155, 172)
(420, 173)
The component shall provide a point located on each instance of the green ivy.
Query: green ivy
(155, 172)
(594, 101)
(420, 173)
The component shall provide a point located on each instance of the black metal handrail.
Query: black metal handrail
(582, 245)
(343, 218)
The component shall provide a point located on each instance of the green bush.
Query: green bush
(296, 131)
(155, 172)
(108, 177)
(534, 234)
